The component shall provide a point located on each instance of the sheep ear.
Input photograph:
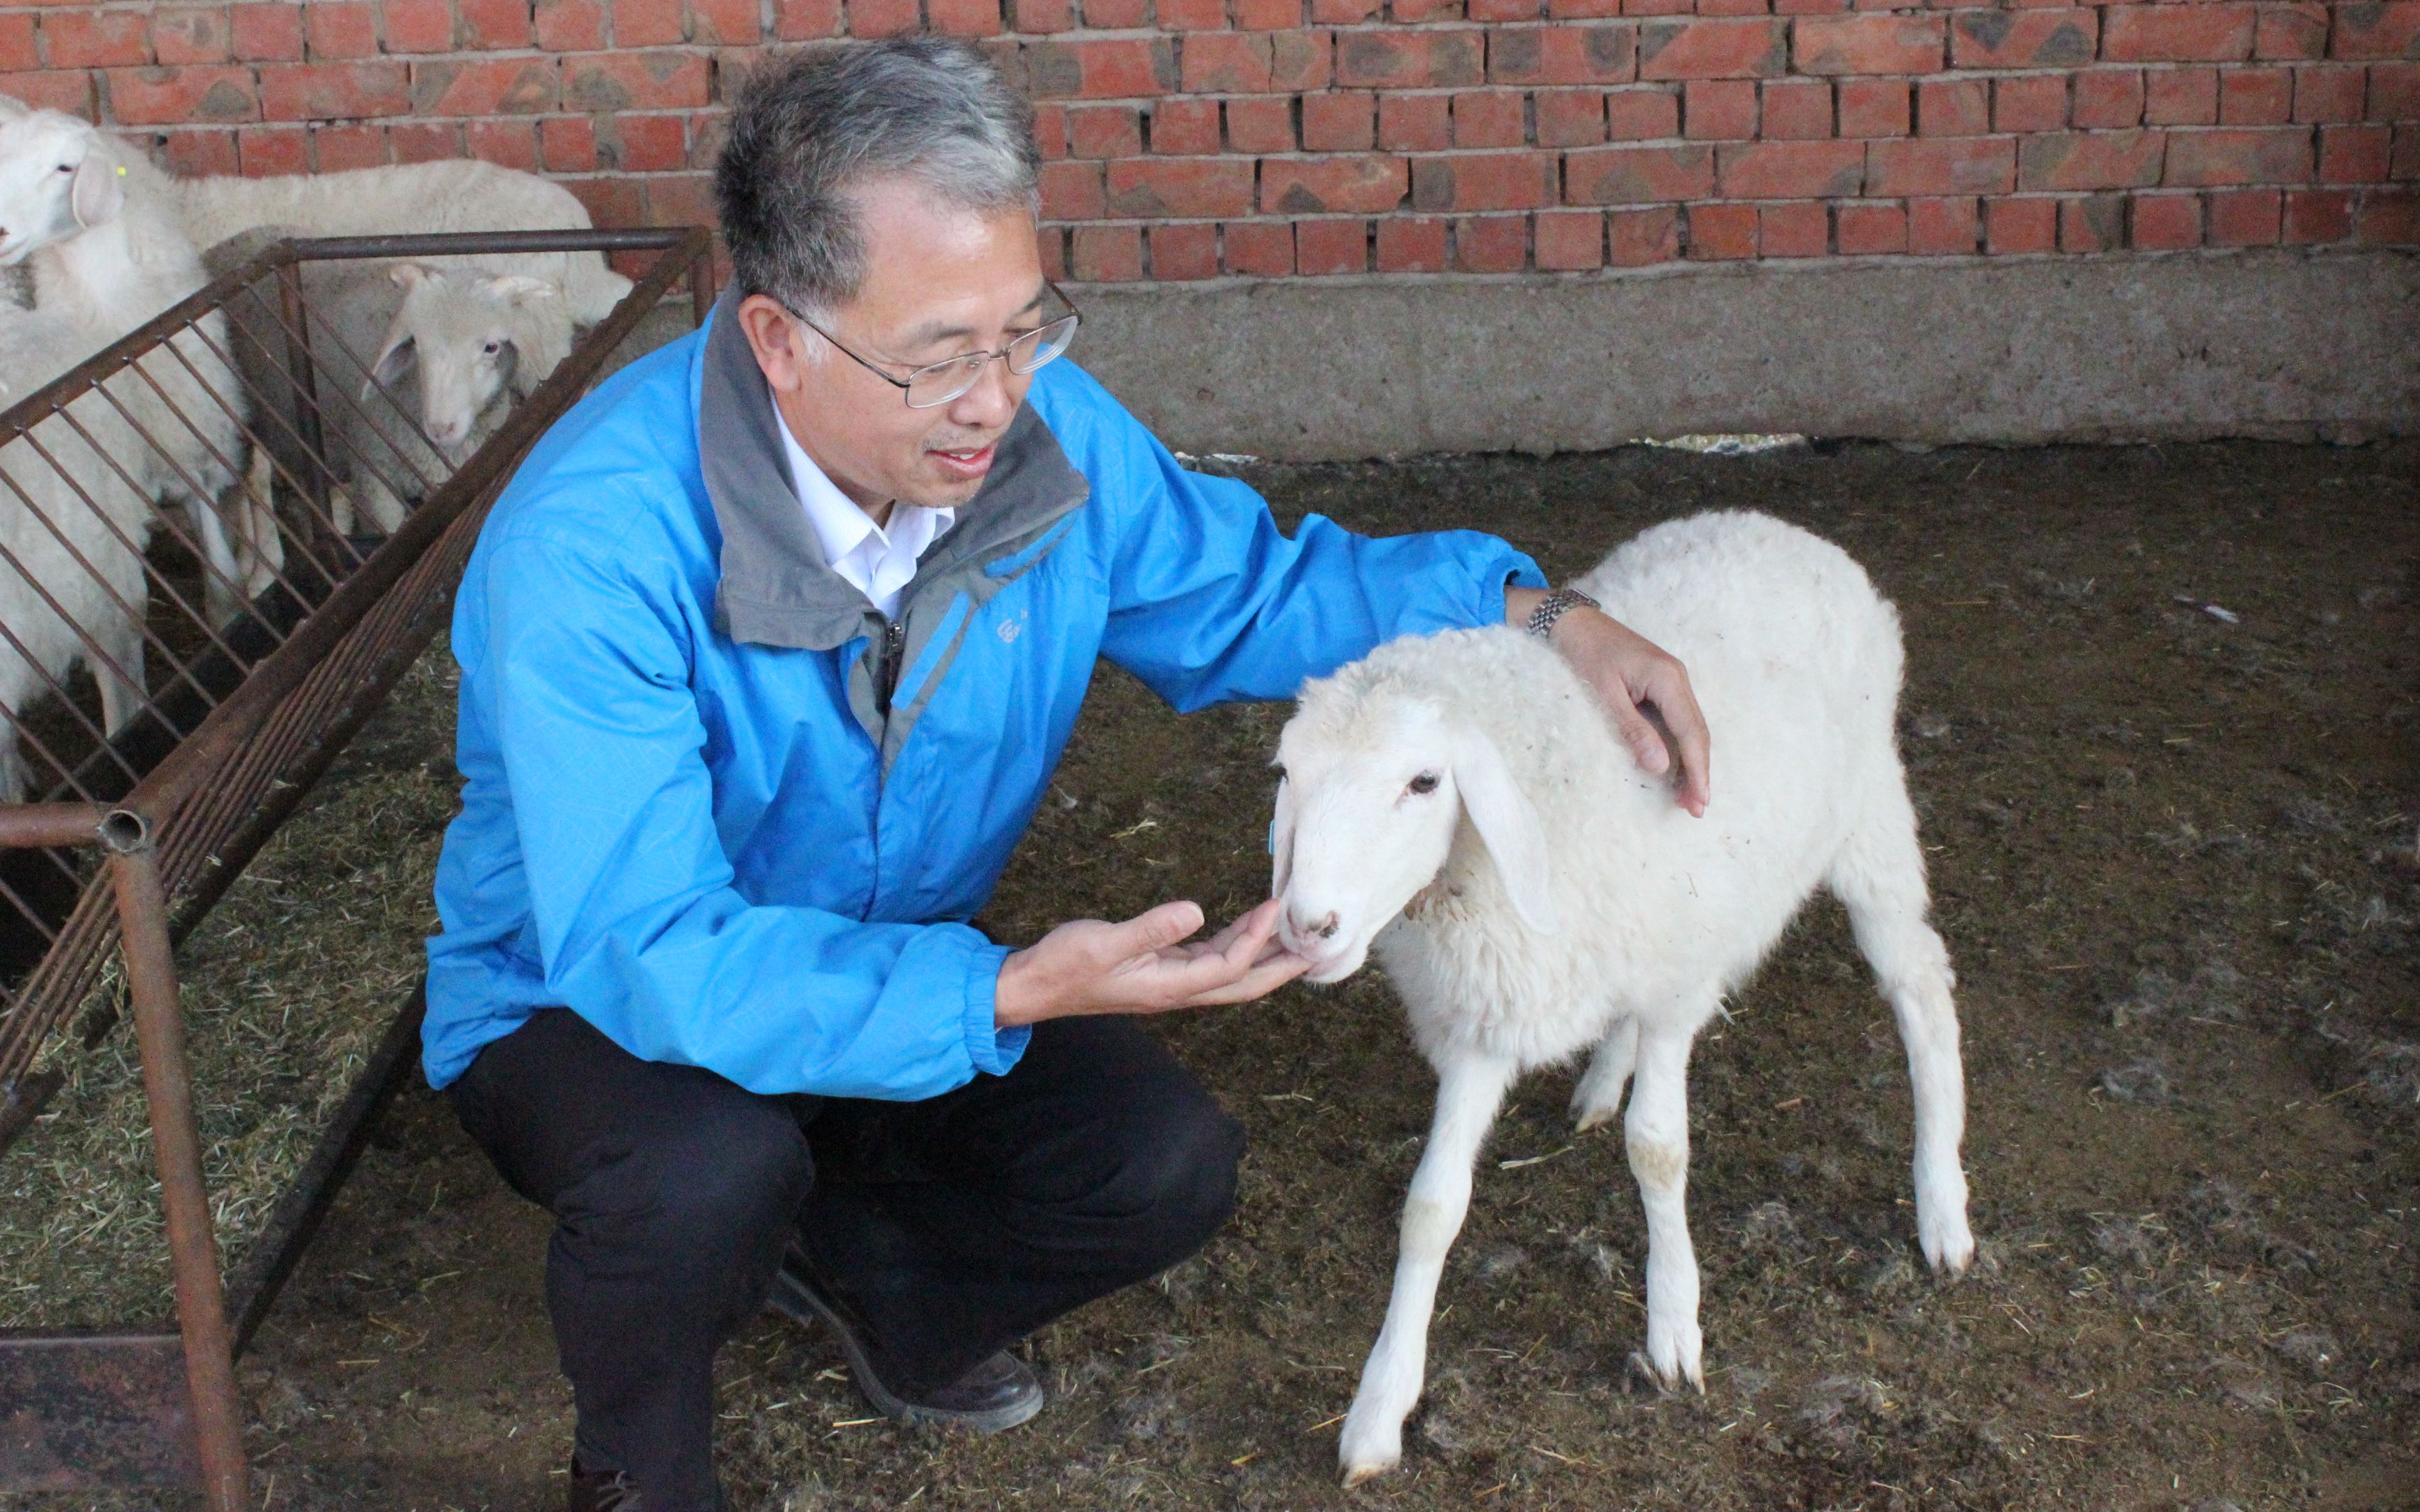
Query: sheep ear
(395, 359)
(1505, 819)
(98, 192)
(408, 275)
(1281, 839)
(519, 287)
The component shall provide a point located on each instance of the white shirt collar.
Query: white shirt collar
(875, 560)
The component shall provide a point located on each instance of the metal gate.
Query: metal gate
(270, 633)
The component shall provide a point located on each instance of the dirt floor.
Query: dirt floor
(2174, 858)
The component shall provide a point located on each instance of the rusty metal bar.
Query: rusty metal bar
(50, 824)
(701, 287)
(238, 326)
(177, 1145)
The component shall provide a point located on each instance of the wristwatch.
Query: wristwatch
(1554, 606)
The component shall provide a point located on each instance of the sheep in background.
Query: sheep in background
(107, 260)
(1461, 802)
(415, 366)
(71, 582)
(478, 343)
(414, 199)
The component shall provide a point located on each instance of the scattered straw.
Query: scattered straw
(288, 985)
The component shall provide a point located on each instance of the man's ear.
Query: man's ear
(775, 338)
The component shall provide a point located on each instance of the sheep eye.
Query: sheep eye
(493, 348)
(67, 167)
(1425, 782)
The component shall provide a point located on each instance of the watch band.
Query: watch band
(1554, 606)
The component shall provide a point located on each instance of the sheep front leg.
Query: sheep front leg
(1598, 1097)
(381, 508)
(1468, 1093)
(1656, 1139)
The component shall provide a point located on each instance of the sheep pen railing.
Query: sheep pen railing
(270, 631)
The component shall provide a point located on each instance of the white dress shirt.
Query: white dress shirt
(875, 560)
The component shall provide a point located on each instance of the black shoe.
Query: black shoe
(999, 1393)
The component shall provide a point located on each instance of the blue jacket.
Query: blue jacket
(715, 805)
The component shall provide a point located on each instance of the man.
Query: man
(767, 654)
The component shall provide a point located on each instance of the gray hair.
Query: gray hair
(810, 129)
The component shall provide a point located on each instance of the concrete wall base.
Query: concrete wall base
(2270, 344)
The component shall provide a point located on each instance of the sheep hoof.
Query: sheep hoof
(1676, 1356)
(1949, 1255)
(1366, 1451)
(1592, 1118)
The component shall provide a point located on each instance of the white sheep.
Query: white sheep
(1461, 802)
(414, 199)
(470, 346)
(402, 351)
(71, 578)
(107, 253)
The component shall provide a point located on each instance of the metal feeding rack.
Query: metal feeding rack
(257, 678)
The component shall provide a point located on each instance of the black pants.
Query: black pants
(953, 1226)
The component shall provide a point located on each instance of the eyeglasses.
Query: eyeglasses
(937, 383)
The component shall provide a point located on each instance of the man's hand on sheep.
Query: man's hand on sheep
(1633, 674)
(1141, 967)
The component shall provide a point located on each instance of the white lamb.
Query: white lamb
(1461, 802)
(105, 261)
(401, 351)
(414, 199)
(72, 582)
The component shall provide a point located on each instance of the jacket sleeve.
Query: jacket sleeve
(1210, 602)
(585, 683)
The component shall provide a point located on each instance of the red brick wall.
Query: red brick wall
(1191, 138)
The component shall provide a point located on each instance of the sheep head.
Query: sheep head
(469, 336)
(1375, 784)
(59, 176)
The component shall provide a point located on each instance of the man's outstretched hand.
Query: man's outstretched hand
(1141, 967)
(1633, 674)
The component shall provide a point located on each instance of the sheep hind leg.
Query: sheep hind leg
(221, 579)
(1656, 1136)
(261, 552)
(14, 776)
(1879, 877)
(1469, 1094)
(1598, 1096)
(118, 672)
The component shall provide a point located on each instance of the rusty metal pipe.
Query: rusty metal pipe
(177, 1145)
(50, 823)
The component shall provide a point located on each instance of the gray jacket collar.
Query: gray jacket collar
(776, 588)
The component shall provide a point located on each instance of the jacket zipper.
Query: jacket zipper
(885, 680)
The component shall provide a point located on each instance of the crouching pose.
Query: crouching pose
(767, 654)
(1575, 909)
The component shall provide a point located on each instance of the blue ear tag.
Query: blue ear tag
(1273, 836)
